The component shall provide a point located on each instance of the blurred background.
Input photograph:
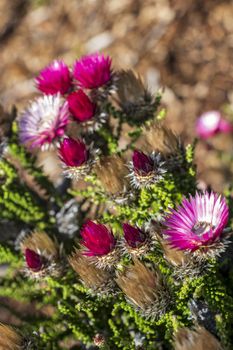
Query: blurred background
(184, 46)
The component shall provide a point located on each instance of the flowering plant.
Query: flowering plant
(123, 248)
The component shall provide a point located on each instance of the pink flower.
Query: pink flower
(54, 78)
(97, 238)
(33, 260)
(73, 153)
(92, 71)
(133, 235)
(81, 106)
(44, 121)
(212, 123)
(142, 163)
(197, 222)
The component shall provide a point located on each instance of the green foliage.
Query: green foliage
(77, 313)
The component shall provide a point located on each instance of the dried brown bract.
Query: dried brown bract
(157, 137)
(145, 289)
(10, 339)
(197, 339)
(98, 280)
(173, 256)
(184, 264)
(133, 97)
(112, 173)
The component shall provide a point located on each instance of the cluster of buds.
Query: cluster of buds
(145, 289)
(69, 94)
(195, 339)
(42, 255)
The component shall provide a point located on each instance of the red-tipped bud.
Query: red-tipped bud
(142, 163)
(81, 107)
(73, 153)
(133, 235)
(97, 238)
(33, 260)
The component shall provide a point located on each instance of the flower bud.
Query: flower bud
(142, 163)
(133, 236)
(81, 106)
(33, 260)
(99, 244)
(73, 153)
(146, 170)
(41, 255)
(76, 157)
(97, 238)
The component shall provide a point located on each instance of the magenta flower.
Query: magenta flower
(142, 163)
(92, 71)
(73, 153)
(54, 78)
(44, 121)
(197, 222)
(212, 123)
(81, 106)
(133, 235)
(33, 260)
(97, 238)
